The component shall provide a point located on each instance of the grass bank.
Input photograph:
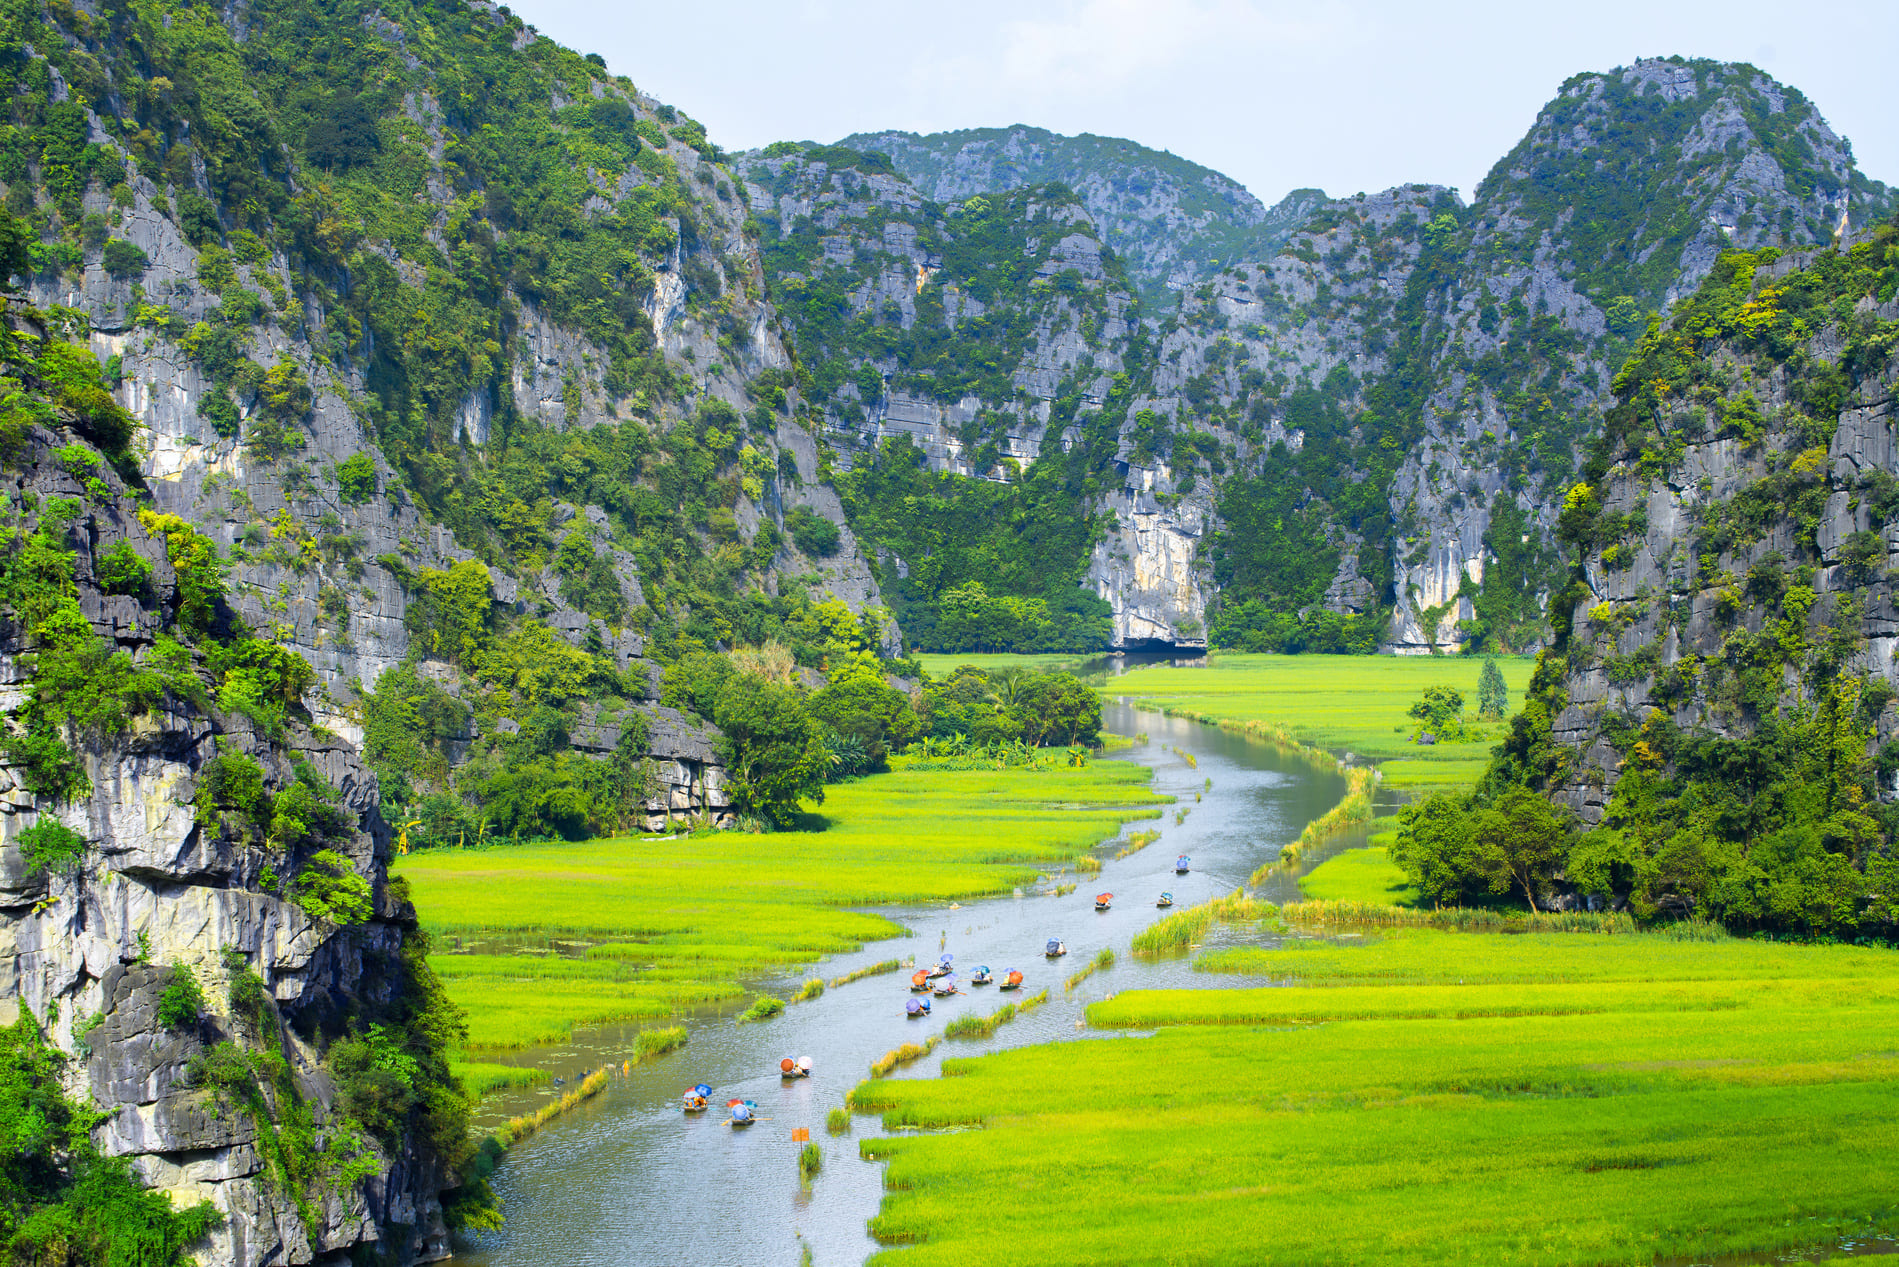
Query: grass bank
(1576, 1099)
(1354, 703)
(642, 928)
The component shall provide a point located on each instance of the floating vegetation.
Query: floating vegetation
(906, 1054)
(874, 970)
(1354, 808)
(1103, 960)
(763, 1008)
(972, 1026)
(838, 1121)
(657, 1042)
(481, 1077)
(1088, 864)
(519, 1128)
(811, 989)
(1137, 842)
(1063, 890)
(1182, 929)
(810, 1160)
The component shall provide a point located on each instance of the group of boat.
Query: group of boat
(698, 1097)
(940, 981)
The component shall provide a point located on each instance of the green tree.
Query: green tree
(861, 707)
(773, 748)
(1057, 709)
(1493, 697)
(1440, 712)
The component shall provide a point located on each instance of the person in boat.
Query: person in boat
(942, 968)
(946, 987)
(1055, 948)
(1166, 899)
(742, 1112)
(1012, 981)
(917, 1007)
(920, 980)
(696, 1103)
(1102, 900)
(981, 976)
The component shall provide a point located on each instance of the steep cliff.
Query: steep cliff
(1720, 702)
(1375, 419)
(194, 906)
(416, 303)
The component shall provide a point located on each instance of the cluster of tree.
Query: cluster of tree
(1782, 830)
(1257, 625)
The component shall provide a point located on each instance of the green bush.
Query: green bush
(813, 533)
(124, 260)
(63, 1202)
(356, 479)
(329, 889)
(182, 1003)
(121, 570)
(763, 1007)
(50, 845)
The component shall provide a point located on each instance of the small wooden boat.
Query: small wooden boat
(1102, 900)
(1011, 982)
(744, 1112)
(981, 976)
(945, 987)
(920, 981)
(789, 1068)
(1166, 899)
(697, 1098)
(1180, 864)
(914, 1008)
(942, 969)
(1056, 948)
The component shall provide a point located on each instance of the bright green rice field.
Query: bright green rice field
(941, 664)
(1425, 1097)
(642, 927)
(1336, 702)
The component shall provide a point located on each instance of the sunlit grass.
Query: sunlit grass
(941, 665)
(1360, 875)
(1661, 1098)
(1354, 703)
(688, 921)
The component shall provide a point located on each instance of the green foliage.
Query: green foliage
(49, 845)
(1493, 697)
(329, 889)
(772, 747)
(124, 260)
(235, 782)
(61, 1201)
(450, 611)
(356, 479)
(408, 721)
(1439, 712)
(764, 1007)
(198, 570)
(811, 532)
(991, 566)
(1462, 852)
(182, 1002)
(861, 708)
(122, 570)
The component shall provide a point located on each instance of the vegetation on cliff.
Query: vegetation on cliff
(1749, 788)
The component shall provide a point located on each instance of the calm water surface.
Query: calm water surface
(628, 1179)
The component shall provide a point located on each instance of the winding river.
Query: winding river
(627, 1179)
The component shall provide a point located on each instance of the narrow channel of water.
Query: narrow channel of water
(628, 1179)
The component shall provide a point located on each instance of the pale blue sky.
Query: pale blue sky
(1347, 96)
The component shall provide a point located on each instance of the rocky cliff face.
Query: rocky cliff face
(91, 944)
(425, 343)
(1737, 528)
(1475, 343)
(1174, 223)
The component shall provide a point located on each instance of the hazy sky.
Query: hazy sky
(1346, 97)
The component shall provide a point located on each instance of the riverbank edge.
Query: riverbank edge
(1352, 810)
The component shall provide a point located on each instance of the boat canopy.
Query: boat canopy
(945, 958)
(702, 1089)
(1054, 944)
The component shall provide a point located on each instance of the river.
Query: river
(627, 1179)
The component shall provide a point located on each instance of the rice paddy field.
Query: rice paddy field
(1360, 875)
(1420, 1096)
(535, 940)
(1354, 703)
